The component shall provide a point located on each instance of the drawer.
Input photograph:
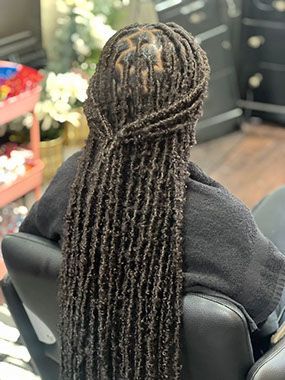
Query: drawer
(273, 117)
(277, 118)
(217, 44)
(264, 84)
(270, 10)
(218, 126)
(196, 16)
(223, 93)
(263, 44)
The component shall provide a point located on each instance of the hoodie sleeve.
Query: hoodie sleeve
(226, 252)
(47, 215)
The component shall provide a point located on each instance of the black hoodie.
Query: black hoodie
(224, 250)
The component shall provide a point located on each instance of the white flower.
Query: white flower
(23, 154)
(62, 93)
(66, 88)
(46, 123)
(28, 120)
(82, 15)
(51, 81)
(21, 210)
(84, 4)
(43, 108)
(80, 46)
(74, 118)
(92, 31)
(100, 31)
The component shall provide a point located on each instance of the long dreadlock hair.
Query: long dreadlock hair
(122, 277)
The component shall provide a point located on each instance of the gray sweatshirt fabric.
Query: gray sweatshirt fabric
(224, 251)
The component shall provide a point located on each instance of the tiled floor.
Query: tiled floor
(14, 357)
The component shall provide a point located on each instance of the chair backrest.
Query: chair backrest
(216, 341)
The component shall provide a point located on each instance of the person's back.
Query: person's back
(143, 224)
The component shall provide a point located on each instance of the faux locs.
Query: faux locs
(122, 278)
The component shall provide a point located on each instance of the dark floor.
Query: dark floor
(249, 162)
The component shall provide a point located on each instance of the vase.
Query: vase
(76, 136)
(51, 152)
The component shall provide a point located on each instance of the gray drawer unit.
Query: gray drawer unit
(265, 114)
(216, 42)
(222, 93)
(262, 65)
(263, 43)
(221, 113)
(209, 21)
(231, 12)
(219, 125)
(268, 10)
(20, 32)
(23, 48)
(196, 16)
(265, 83)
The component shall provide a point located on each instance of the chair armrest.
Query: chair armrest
(33, 265)
(216, 340)
(271, 366)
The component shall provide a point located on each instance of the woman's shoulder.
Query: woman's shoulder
(70, 164)
(211, 203)
(66, 173)
(205, 189)
(198, 175)
(47, 215)
(199, 182)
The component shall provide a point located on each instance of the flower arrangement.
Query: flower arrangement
(14, 162)
(62, 96)
(84, 26)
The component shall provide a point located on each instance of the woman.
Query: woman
(143, 224)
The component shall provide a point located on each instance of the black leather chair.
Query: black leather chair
(217, 344)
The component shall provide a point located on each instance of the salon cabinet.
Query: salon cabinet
(215, 25)
(262, 60)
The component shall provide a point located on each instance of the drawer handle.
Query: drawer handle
(233, 8)
(255, 41)
(279, 5)
(197, 17)
(255, 80)
(226, 45)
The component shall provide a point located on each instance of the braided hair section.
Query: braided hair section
(121, 278)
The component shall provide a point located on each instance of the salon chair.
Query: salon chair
(216, 339)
